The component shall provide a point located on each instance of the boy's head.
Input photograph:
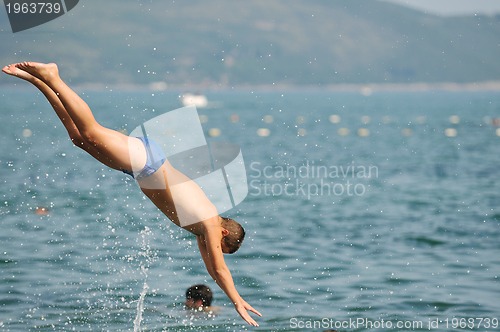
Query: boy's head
(198, 296)
(232, 241)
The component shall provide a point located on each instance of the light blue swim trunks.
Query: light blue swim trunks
(155, 158)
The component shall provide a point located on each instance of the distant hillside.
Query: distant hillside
(229, 43)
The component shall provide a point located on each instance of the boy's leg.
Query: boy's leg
(108, 146)
(56, 104)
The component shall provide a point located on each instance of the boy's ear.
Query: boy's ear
(225, 232)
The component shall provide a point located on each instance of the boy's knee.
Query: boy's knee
(89, 137)
(77, 141)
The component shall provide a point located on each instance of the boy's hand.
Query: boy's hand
(242, 308)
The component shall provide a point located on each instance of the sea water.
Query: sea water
(377, 212)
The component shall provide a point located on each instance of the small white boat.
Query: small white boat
(194, 99)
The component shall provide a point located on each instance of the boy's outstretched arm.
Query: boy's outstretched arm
(211, 252)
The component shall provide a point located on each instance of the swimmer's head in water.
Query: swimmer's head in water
(198, 296)
(232, 241)
(42, 211)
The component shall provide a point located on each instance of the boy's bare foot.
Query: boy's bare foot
(14, 71)
(43, 71)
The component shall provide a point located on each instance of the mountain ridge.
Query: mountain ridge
(222, 43)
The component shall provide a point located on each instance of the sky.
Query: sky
(453, 7)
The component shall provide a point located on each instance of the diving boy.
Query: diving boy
(215, 235)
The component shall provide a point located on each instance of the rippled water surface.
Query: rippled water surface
(387, 211)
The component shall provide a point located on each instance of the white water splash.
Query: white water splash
(147, 257)
(140, 308)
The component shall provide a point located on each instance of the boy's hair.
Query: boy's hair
(236, 234)
(200, 292)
